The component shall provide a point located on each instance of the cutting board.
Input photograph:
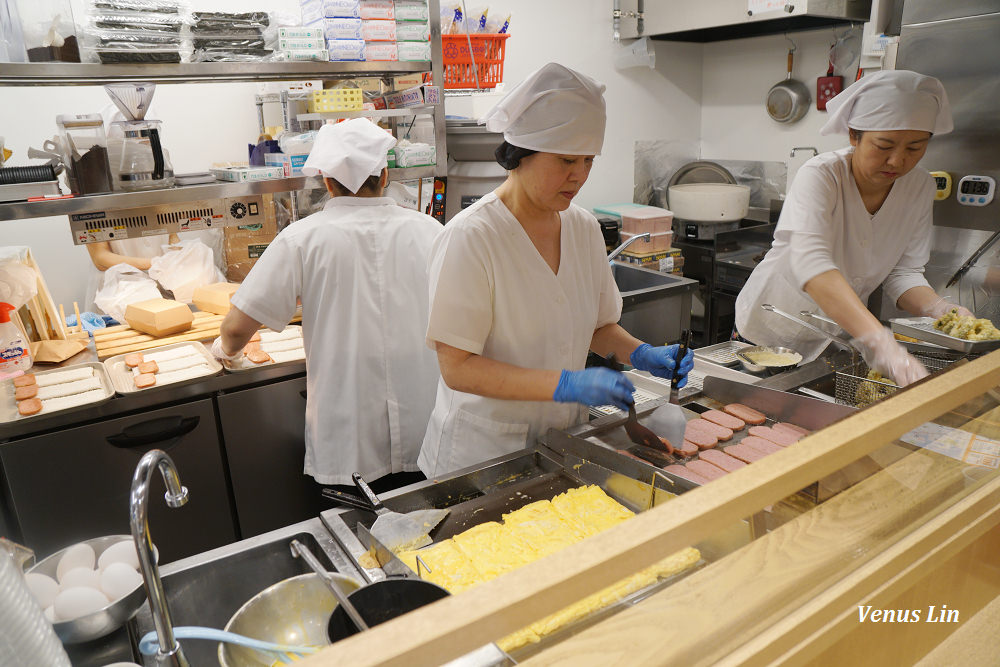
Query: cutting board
(122, 339)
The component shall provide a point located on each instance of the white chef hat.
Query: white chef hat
(554, 110)
(349, 152)
(890, 100)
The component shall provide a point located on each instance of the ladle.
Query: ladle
(301, 550)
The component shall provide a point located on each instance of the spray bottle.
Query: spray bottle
(15, 354)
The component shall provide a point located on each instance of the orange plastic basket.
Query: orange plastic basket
(460, 69)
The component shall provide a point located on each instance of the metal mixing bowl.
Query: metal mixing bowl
(744, 355)
(294, 611)
(105, 620)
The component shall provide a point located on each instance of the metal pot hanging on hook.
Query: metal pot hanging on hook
(788, 100)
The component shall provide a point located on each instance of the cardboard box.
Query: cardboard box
(413, 97)
(214, 298)
(665, 261)
(406, 81)
(159, 317)
(290, 165)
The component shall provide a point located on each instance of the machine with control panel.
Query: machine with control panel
(118, 224)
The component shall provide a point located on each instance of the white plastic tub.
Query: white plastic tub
(710, 202)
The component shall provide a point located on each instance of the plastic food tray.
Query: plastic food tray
(723, 353)
(922, 328)
(8, 405)
(122, 377)
(244, 364)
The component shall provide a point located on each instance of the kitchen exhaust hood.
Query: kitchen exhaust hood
(699, 21)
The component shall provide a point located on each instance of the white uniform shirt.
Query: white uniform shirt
(360, 268)
(494, 295)
(823, 226)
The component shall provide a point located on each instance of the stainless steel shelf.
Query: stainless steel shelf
(63, 74)
(363, 113)
(20, 210)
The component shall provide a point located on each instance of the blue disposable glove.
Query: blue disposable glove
(661, 361)
(594, 386)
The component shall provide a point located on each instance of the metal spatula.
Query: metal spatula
(668, 420)
(397, 531)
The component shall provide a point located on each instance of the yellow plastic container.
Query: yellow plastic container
(336, 99)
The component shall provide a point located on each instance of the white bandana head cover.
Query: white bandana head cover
(890, 100)
(554, 110)
(349, 152)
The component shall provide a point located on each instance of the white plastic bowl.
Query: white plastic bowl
(709, 202)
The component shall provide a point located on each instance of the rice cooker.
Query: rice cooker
(702, 210)
(472, 168)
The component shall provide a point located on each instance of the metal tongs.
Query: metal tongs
(837, 340)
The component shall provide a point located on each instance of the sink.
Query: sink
(635, 278)
(656, 306)
(208, 588)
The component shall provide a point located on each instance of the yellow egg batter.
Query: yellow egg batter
(532, 532)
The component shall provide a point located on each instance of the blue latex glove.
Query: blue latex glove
(661, 361)
(594, 386)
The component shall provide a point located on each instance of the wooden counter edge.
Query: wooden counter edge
(456, 625)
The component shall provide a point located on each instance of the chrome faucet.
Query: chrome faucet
(645, 236)
(169, 653)
(804, 148)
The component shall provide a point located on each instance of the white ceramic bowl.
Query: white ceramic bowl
(709, 202)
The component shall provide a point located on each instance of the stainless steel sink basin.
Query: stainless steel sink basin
(656, 306)
(208, 588)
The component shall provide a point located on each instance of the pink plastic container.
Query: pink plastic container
(647, 219)
(656, 243)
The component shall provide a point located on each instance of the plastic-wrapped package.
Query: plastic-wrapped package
(247, 36)
(498, 24)
(152, 6)
(136, 31)
(148, 21)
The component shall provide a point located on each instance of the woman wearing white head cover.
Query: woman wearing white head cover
(521, 288)
(359, 267)
(854, 219)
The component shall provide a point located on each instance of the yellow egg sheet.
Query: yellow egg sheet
(590, 509)
(450, 569)
(492, 550)
(536, 530)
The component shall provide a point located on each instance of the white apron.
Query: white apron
(494, 295)
(824, 226)
(360, 269)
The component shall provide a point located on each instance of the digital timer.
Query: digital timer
(942, 185)
(976, 190)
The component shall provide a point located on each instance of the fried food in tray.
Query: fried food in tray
(532, 532)
(965, 327)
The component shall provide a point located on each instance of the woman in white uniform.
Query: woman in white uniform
(359, 267)
(521, 288)
(854, 219)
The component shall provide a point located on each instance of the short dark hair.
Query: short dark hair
(509, 156)
(368, 189)
(855, 134)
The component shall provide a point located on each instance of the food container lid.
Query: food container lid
(647, 213)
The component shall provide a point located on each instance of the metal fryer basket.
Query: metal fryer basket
(854, 388)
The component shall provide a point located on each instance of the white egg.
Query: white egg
(80, 576)
(43, 587)
(120, 552)
(79, 601)
(50, 613)
(78, 555)
(118, 580)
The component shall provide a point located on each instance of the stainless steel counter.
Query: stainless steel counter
(146, 399)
